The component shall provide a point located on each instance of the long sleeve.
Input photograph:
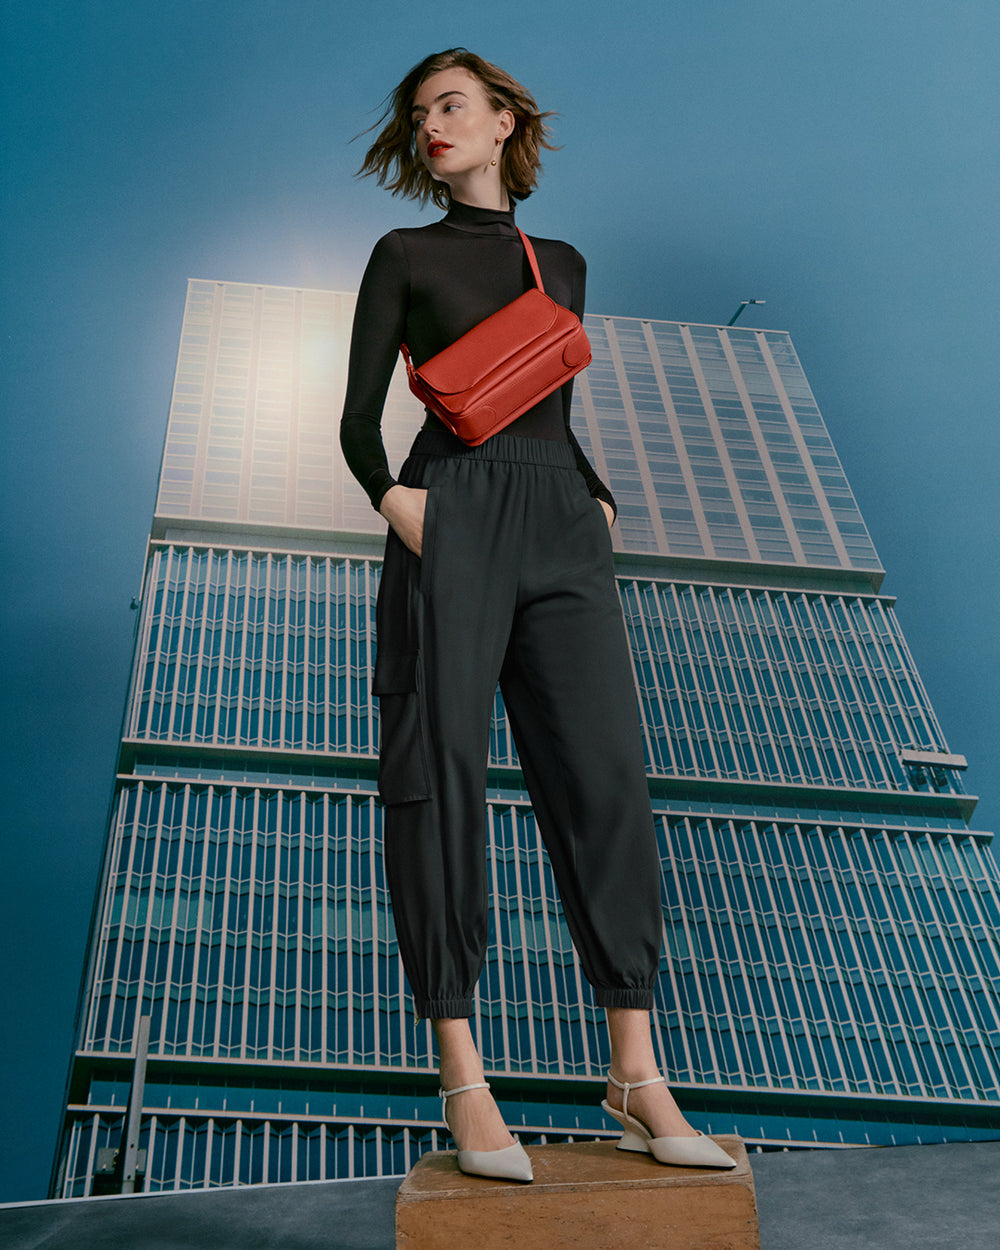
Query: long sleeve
(594, 484)
(379, 320)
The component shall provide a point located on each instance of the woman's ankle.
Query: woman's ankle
(459, 1063)
(475, 1122)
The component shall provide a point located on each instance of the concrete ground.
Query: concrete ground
(887, 1198)
(893, 1198)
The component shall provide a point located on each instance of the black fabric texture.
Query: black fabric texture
(428, 286)
(516, 584)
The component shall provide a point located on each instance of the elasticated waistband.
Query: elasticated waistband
(501, 447)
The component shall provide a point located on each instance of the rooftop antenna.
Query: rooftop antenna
(743, 304)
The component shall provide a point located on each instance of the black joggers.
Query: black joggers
(515, 583)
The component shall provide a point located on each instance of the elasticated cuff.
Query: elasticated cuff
(641, 998)
(445, 1008)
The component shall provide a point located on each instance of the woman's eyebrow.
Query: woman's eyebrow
(419, 108)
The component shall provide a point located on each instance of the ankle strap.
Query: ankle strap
(461, 1089)
(626, 1086)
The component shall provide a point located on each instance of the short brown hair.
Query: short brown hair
(392, 157)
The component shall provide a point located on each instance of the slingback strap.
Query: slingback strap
(461, 1089)
(629, 1085)
(531, 259)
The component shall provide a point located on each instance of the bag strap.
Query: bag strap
(531, 259)
(535, 273)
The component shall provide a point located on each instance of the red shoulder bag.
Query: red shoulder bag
(504, 365)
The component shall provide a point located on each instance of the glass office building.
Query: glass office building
(830, 967)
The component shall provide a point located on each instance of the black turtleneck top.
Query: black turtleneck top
(426, 287)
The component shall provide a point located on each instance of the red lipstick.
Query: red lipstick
(436, 147)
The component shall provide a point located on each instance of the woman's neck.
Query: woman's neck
(482, 189)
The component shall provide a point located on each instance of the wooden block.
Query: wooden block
(585, 1194)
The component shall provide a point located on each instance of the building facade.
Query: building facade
(830, 970)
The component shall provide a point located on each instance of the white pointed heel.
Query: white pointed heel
(685, 1152)
(509, 1164)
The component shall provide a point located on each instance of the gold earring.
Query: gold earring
(494, 160)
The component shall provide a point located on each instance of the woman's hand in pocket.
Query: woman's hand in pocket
(403, 507)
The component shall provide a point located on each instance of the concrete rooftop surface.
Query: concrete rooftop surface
(906, 1197)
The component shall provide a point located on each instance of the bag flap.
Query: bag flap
(487, 345)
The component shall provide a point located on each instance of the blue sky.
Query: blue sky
(836, 159)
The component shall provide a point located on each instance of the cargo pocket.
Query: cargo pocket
(403, 775)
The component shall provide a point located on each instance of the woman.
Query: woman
(498, 567)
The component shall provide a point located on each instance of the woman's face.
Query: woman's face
(458, 132)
